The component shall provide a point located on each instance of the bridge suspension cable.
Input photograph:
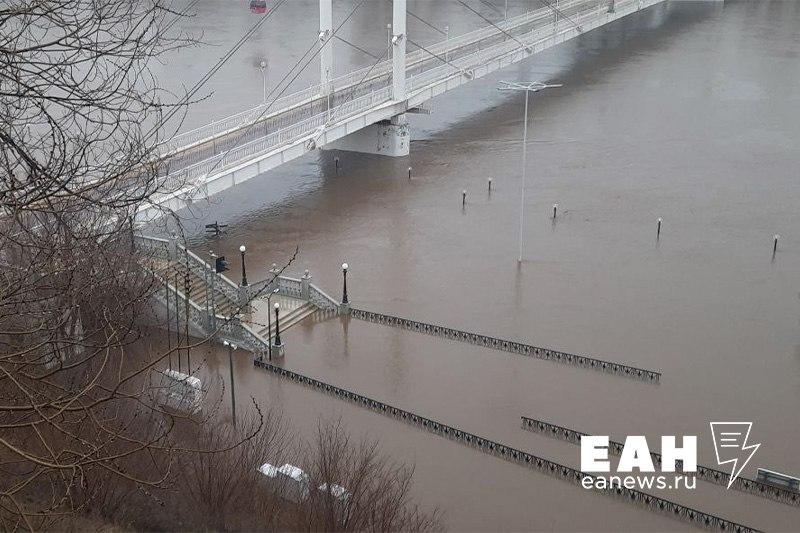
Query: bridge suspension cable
(422, 20)
(345, 41)
(286, 86)
(208, 75)
(492, 23)
(437, 56)
(558, 11)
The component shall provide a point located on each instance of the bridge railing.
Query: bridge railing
(193, 175)
(236, 121)
(531, 39)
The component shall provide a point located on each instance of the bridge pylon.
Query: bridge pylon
(326, 45)
(388, 137)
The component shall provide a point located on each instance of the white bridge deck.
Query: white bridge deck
(215, 157)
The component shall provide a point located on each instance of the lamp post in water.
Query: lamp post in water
(344, 283)
(269, 322)
(528, 87)
(278, 343)
(231, 348)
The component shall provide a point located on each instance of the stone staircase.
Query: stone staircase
(244, 315)
(175, 273)
(292, 312)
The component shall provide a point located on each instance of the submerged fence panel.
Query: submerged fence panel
(704, 473)
(510, 454)
(504, 345)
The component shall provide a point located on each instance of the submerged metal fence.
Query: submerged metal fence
(504, 345)
(704, 473)
(510, 454)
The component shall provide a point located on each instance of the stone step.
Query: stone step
(295, 316)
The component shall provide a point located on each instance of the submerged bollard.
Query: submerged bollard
(490, 184)
(775, 243)
(409, 172)
(555, 211)
(463, 198)
(336, 160)
(658, 230)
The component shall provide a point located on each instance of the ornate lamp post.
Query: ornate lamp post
(278, 343)
(269, 322)
(344, 283)
(242, 250)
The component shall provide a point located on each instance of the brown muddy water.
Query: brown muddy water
(688, 111)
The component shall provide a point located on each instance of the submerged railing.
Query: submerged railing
(505, 345)
(507, 453)
(704, 473)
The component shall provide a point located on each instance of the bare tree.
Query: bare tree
(80, 420)
(353, 487)
(80, 119)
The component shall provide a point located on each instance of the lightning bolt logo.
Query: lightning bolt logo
(730, 445)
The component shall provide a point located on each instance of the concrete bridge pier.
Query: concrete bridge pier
(387, 137)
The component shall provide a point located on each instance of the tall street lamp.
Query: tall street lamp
(344, 283)
(269, 322)
(243, 249)
(263, 67)
(528, 87)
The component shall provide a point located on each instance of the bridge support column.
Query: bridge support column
(326, 45)
(388, 137)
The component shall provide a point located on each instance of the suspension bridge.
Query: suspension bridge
(365, 110)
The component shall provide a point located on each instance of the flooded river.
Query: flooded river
(688, 111)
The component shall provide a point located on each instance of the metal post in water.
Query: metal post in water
(463, 198)
(775, 244)
(555, 211)
(169, 336)
(231, 347)
(336, 161)
(658, 231)
(409, 172)
(186, 294)
(177, 322)
(490, 184)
